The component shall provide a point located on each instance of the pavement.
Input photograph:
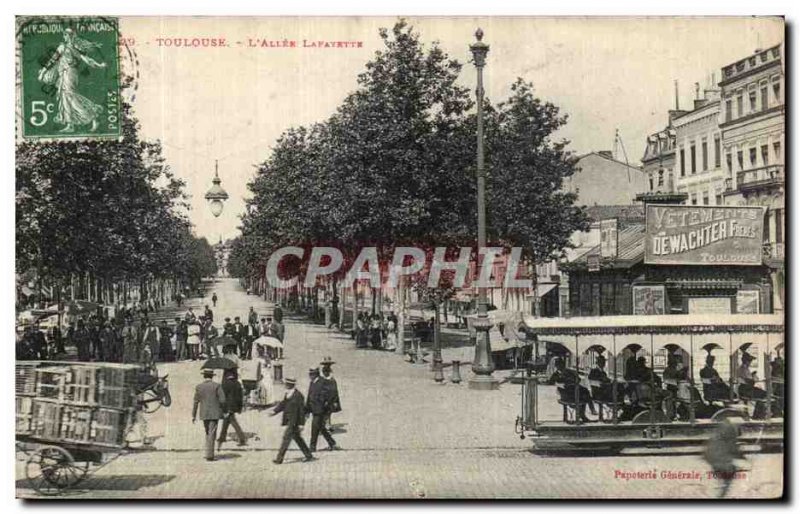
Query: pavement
(402, 436)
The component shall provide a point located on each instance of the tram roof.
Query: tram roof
(666, 324)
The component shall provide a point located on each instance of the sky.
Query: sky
(231, 102)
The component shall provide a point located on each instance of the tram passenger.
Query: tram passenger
(570, 379)
(746, 380)
(714, 388)
(673, 375)
(603, 391)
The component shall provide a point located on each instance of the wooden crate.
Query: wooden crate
(50, 382)
(109, 426)
(80, 385)
(25, 379)
(116, 387)
(24, 414)
(76, 423)
(46, 419)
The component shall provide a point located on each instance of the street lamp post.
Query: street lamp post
(216, 196)
(482, 365)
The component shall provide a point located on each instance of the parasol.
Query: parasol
(223, 341)
(219, 363)
(270, 341)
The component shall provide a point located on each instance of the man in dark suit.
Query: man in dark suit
(239, 332)
(294, 417)
(318, 404)
(209, 400)
(234, 402)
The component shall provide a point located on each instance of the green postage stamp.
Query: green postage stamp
(69, 76)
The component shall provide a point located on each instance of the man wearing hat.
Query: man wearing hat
(294, 417)
(335, 404)
(209, 399)
(318, 404)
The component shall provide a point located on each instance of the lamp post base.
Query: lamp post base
(484, 383)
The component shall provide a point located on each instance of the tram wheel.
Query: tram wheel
(51, 469)
(644, 418)
(729, 413)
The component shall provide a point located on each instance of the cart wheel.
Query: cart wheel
(150, 401)
(52, 469)
(166, 398)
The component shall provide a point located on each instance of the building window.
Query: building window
(717, 153)
(752, 101)
(776, 148)
(728, 110)
(693, 158)
(776, 89)
(740, 105)
(764, 97)
(705, 198)
(651, 182)
(729, 162)
(683, 162)
(694, 198)
(753, 157)
(704, 151)
(764, 155)
(740, 158)
(718, 197)
(660, 178)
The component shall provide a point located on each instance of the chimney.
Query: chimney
(697, 91)
(677, 102)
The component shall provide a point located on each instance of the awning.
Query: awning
(542, 289)
(708, 283)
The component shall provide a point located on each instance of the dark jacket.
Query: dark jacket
(234, 396)
(319, 396)
(292, 408)
(335, 403)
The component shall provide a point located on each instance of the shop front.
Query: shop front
(683, 260)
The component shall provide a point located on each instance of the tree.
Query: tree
(526, 170)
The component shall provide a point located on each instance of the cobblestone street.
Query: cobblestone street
(402, 436)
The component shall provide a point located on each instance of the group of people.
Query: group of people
(196, 336)
(223, 401)
(641, 384)
(376, 332)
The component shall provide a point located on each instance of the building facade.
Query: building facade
(753, 141)
(658, 162)
(603, 180)
(699, 171)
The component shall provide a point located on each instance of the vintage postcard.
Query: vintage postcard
(400, 258)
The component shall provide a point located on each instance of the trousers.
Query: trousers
(317, 428)
(292, 433)
(230, 420)
(210, 427)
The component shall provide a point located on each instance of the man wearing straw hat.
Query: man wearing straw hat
(209, 399)
(294, 417)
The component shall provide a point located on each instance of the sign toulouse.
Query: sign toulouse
(689, 235)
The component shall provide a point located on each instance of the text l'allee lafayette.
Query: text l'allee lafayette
(219, 42)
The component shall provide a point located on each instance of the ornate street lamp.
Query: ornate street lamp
(216, 196)
(482, 366)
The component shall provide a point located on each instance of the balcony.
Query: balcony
(760, 178)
